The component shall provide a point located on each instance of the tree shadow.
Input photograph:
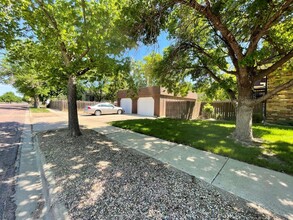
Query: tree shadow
(213, 136)
(10, 139)
(98, 179)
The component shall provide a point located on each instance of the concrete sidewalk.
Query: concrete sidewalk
(32, 194)
(267, 188)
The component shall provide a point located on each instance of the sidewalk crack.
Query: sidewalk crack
(220, 171)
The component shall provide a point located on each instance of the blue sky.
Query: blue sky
(3, 87)
(7, 88)
(136, 54)
(142, 50)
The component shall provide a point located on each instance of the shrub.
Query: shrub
(208, 110)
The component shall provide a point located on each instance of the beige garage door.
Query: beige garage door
(146, 106)
(126, 104)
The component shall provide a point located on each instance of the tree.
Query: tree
(148, 68)
(82, 34)
(9, 26)
(27, 69)
(249, 40)
(9, 97)
(210, 90)
(105, 85)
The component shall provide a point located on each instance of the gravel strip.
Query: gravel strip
(97, 179)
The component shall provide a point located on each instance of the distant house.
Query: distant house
(156, 101)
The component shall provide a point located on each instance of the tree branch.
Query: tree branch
(273, 92)
(230, 50)
(220, 81)
(217, 23)
(259, 33)
(83, 71)
(53, 22)
(85, 52)
(199, 49)
(262, 73)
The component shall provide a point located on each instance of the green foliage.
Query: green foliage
(39, 110)
(81, 33)
(247, 40)
(215, 38)
(104, 86)
(9, 23)
(143, 73)
(212, 136)
(27, 68)
(137, 78)
(211, 90)
(149, 68)
(10, 97)
(208, 110)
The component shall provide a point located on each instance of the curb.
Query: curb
(54, 209)
(28, 192)
(33, 190)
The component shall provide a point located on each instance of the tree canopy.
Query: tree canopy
(9, 97)
(27, 69)
(78, 36)
(248, 40)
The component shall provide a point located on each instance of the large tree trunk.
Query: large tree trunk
(73, 124)
(36, 101)
(244, 110)
(243, 130)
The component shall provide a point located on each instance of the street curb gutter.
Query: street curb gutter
(32, 190)
(54, 208)
(28, 189)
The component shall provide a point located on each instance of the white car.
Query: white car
(103, 108)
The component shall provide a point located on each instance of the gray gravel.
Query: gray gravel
(100, 180)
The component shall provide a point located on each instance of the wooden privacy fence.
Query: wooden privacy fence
(182, 109)
(226, 110)
(62, 105)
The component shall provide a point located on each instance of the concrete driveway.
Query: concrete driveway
(59, 119)
(92, 121)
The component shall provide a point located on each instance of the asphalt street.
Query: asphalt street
(11, 123)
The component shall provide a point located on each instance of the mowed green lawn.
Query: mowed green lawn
(39, 110)
(276, 153)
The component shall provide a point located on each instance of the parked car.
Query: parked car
(103, 108)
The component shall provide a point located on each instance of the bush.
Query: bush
(208, 110)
